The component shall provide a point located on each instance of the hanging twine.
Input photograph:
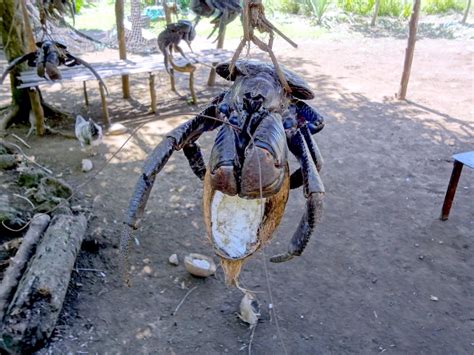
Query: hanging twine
(253, 17)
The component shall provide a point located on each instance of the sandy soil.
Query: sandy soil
(366, 279)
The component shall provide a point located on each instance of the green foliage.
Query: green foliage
(406, 12)
(318, 8)
(183, 4)
(290, 6)
(79, 4)
(359, 7)
(441, 6)
(392, 8)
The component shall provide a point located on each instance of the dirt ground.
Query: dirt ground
(366, 280)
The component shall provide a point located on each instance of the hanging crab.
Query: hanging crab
(226, 11)
(47, 58)
(247, 179)
(170, 37)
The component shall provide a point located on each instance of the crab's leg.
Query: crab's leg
(180, 50)
(193, 153)
(88, 66)
(166, 56)
(182, 136)
(310, 122)
(30, 56)
(314, 193)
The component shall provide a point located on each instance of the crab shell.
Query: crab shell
(299, 87)
(237, 227)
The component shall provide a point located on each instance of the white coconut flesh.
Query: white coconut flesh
(234, 224)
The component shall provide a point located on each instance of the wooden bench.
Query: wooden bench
(115, 68)
(460, 160)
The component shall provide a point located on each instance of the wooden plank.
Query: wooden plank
(122, 67)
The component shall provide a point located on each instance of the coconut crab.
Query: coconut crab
(226, 11)
(170, 37)
(247, 179)
(47, 58)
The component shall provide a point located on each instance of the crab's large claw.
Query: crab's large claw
(314, 193)
(182, 137)
(30, 57)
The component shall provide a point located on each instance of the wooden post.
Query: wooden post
(220, 44)
(119, 16)
(172, 80)
(152, 93)
(466, 12)
(37, 109)
(105, 110)
(167, 12)
(86, 97)
(453, 184)
(376, 12)
(402, 93)
(191, 87)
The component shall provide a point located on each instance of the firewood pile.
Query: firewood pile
(40, 238)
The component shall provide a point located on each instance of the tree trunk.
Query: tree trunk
(119, 15)
(13, 32)
(376, 12)
(35, 99)
(410, 50)
(466, 12)
(32, 314)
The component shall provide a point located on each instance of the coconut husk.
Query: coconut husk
(273, 212)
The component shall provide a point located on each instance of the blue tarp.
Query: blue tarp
(154, 12)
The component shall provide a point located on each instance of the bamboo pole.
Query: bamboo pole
(410, 50)
(119, 18)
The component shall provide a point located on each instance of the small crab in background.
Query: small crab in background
(170, 38)
(225, 12)
(47, 59)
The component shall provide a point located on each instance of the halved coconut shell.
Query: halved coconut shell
(238, 227)
(199, 265)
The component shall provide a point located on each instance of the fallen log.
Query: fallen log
(18, 262)
(32, 314)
